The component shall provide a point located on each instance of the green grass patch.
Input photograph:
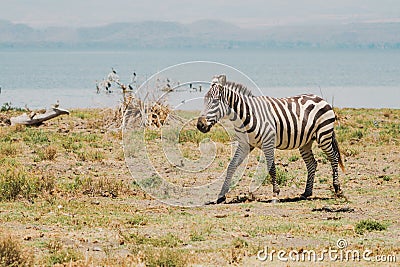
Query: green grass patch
(293, 158)
(46, 153)
(369, 225)
(91, 155)
(8, 106)
(151, 182)
(169, 240)
(9, 149)
(199, 234)
(35, 136)
(150, 135)
(15, 182)
(59, 254)
(137, 220)
(154, 257)
(217, 134)
(283, 177)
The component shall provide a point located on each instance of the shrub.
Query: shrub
(9, 149)
(60, 255)
(237, 251)
(165, 257)
(293, 158)
(15, 181)
(282, 177)
(137, 220)
(11, 253)
(34, 136)
(47, 153)
(91, 155)
(196, 236)
(369, 225)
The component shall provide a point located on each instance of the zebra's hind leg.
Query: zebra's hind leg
(311, 164)
(333, 155)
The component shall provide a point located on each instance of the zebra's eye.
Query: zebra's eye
(215, 101)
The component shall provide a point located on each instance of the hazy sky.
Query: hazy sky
(245, 13)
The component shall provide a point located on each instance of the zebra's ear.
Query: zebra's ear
(222, 79)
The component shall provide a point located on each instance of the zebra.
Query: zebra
(268, 123)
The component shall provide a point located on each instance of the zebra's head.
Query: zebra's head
(214, 107)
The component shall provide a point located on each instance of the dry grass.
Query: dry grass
(12, 254)
(77, 204)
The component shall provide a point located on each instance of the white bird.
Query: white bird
(32, 114)
(56, 105)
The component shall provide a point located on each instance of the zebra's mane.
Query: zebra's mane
(238, 88)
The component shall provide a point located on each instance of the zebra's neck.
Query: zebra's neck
(238, 108)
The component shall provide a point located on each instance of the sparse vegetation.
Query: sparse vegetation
(12, 254)
(165, 257)
(137, 220)
(16, 182)
(67, 198)
(58, 254)
(293, 158)
(217, 134)
(8, 106)
(369, 225)
(47, 153)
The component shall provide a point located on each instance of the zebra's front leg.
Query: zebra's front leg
(275, 186)
(268, 149)
(240, 154)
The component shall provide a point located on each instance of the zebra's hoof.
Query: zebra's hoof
(304, 196)
(221, 200)
(275, 200)
(276, 191)
(209, 203)
(339, 193)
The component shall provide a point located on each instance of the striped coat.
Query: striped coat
(269, 123)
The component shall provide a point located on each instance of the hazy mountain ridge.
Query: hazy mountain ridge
(204, 33)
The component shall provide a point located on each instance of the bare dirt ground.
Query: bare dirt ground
(76, 204)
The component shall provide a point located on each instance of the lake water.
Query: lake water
(348, 78)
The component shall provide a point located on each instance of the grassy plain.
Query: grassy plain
(67, 198)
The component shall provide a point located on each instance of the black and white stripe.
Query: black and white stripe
(269, 123)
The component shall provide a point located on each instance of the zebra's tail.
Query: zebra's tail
(336, 148)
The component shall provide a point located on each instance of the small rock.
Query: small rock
(27, 237)
(95, 202)
(96, 248)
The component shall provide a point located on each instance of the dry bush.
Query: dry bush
(11, 253)
(48, 153)
(165, 257)
(105, 187)
(10, 149)
(16, 182)
(158, 114)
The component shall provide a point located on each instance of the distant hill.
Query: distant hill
(204, 33)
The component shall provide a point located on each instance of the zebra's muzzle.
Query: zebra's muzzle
(202, 125)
